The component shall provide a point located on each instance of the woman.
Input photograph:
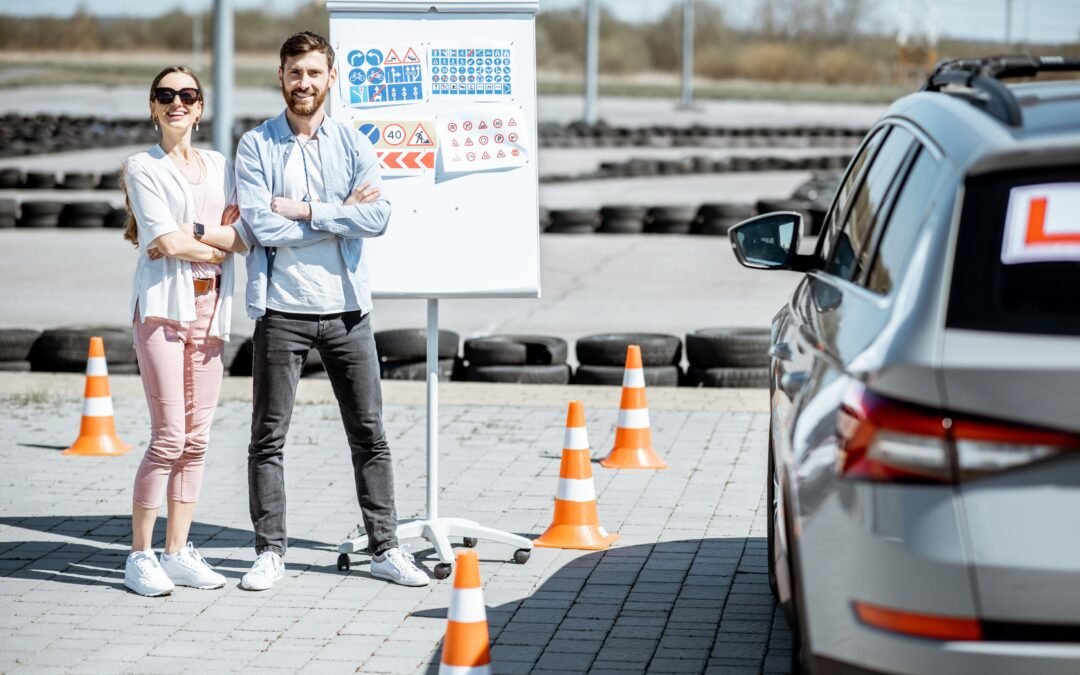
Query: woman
(182, 310)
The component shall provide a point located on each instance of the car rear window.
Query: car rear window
(1017, 266)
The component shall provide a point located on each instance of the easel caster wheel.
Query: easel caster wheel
(521, 556)
(442, 570)
(470, 542)
(343, 562)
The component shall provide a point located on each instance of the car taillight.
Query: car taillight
(889, 441)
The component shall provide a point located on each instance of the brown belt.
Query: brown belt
(207, 285)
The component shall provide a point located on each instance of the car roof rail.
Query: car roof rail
(983, 75)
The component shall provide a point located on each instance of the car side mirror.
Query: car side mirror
(769, 241)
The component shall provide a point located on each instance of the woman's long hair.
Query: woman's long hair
(131, 228)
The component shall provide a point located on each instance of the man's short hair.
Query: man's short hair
(304, 42)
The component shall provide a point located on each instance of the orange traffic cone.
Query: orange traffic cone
(633, 439)
(465, 649)
(97, 434)
(576, 523)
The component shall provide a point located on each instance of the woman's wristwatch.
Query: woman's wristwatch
(199, 230)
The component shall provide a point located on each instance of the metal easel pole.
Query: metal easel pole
(432, 409)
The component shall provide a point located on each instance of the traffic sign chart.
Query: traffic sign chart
(471, 71)
(385, 76)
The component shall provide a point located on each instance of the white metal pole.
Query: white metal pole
(196, 40)
(432, 409)
(688, 55)
(592, 57)
(223, 76)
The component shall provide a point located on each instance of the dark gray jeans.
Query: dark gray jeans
(347, 347)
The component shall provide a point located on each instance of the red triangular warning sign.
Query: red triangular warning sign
(512, 122)
(392, 59)
(485, 155)
(468, 142)
(455, 143)
(420, 137)
(483, 125)
(411, 57)
(501, 154)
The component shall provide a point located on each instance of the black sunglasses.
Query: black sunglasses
(165, 95)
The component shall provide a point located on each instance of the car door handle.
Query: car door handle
(792, 383)
(781, 351)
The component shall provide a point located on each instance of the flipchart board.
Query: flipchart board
(446, 92)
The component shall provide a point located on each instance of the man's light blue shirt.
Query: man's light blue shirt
(348, 161)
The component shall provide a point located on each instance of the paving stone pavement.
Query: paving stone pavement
(683, 590)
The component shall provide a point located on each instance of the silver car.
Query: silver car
(925, 386)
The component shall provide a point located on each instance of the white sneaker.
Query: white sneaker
(267, 569)
(397, 566)
(187, 568)
(143, 574)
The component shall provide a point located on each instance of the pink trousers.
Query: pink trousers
(181, 369)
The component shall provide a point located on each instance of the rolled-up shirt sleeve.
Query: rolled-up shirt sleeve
(148, 205)
(356, 220)
(254, 197)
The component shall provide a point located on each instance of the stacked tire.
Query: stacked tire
(7, 213)
(622, 219)
(15, 346)
(573, 221)
(519, 359)
(403, 353)
(728, 357)
(718, 218)
(670, 219)
(39, 214)
(602, 358)
(64, 350)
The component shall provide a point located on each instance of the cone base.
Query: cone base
(583, 537)
(633, 458)
(98, 446)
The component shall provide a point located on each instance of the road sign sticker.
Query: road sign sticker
(478, 63)
(466, 127)
(396, 157)
(390, 80)
(1041, 224)
(420, 137)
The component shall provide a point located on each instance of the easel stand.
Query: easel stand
(438, 530)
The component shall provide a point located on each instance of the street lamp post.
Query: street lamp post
(687, 101)
(592, 57)
(223, 76)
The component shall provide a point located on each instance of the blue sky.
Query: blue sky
(1032, 20)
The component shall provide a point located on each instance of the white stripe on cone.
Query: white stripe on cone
(633, 378)
(576, 490)
(576, 438)
(467, 606)
(99, 406)
(634, 418)
(464, 670)
(95, 365)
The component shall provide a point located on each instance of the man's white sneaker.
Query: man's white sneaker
(143, 574)
(267, 569)
(187, 568)
(397, 566)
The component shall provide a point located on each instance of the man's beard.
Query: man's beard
(308, 107)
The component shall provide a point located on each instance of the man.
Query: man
(308, 190)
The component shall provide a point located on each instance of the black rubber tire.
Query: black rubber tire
(10, 178)
(7, 222)
(109, 181)
(84, 215)
(39, 180)
(670, 219)
(725, 210)
(717, 227)
(241, 363)
(623, 212)
(14, 366)
(410, 344)
(564, 217)
(737, 378)
(470, 542)
(117, 219)
(553, 374)
(39, 214)
(65, 349)
(515, 350)
(415, 371)
(521, 556)
(15, 343)
(570, 228)
(655, 376)
(78, 180)
(609, 349)
(728, 348)
(443, 570)
(343, 562)
(8, 208)
(614, 226)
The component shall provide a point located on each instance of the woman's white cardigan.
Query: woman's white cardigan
(160, 200)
